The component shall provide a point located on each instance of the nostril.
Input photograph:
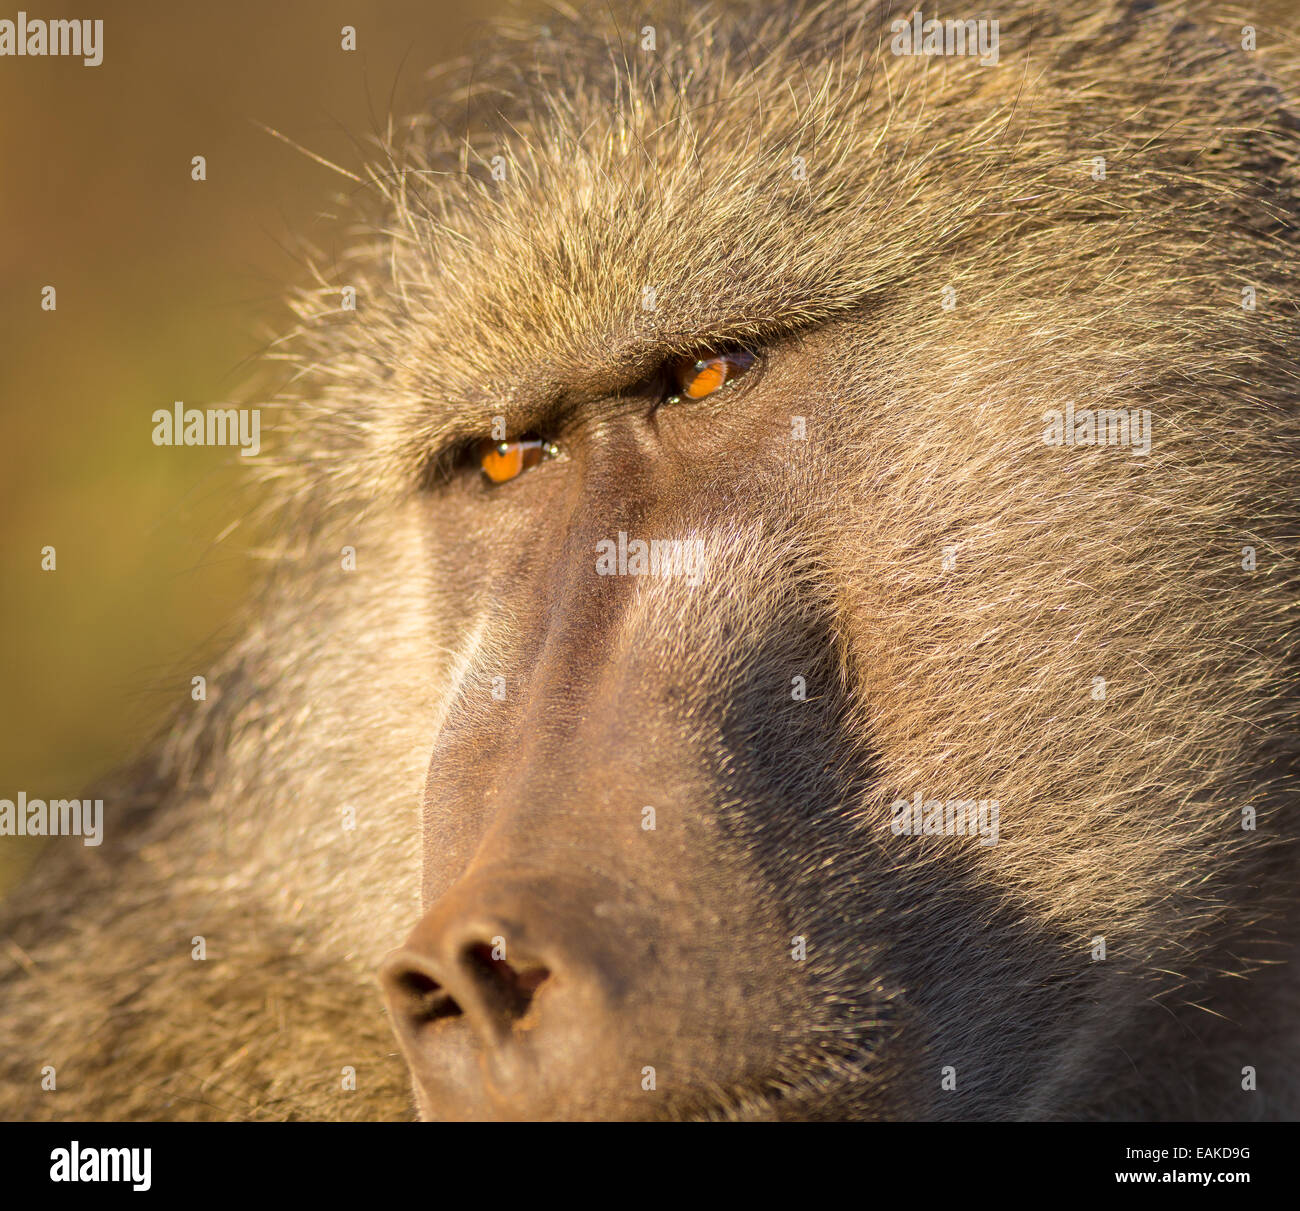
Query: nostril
(427, 998)
(421, 997)
(511, 987)
(493, 994)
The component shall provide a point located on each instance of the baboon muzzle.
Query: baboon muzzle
(508, 1000)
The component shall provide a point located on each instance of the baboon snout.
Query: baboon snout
(505, 1001)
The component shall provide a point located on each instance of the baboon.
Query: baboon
(785, 608)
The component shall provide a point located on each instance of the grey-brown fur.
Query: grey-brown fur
(1120, 817)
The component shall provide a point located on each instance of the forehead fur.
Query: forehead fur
(558, 228)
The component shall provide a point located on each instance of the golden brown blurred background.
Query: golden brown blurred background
(165, 290)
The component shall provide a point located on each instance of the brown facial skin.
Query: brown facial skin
(535, 808)
(625, 948)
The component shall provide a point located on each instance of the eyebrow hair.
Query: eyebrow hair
(542, 400)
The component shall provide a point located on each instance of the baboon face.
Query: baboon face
(744, 525)
(625, 750)
(654, 795)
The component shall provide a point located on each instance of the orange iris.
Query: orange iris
(503, 461)
(696, 378)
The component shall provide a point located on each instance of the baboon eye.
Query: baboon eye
(501, 462)
(697, 377)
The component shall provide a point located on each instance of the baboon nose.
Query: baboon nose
(475, 980)
(506, 1001)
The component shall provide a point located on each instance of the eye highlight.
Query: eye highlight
(697, 378)
(500, 462)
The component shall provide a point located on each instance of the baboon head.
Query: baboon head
(840, 492)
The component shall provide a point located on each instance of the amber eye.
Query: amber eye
(501, 462)
(696, 378)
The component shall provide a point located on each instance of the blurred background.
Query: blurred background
(166, 289)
